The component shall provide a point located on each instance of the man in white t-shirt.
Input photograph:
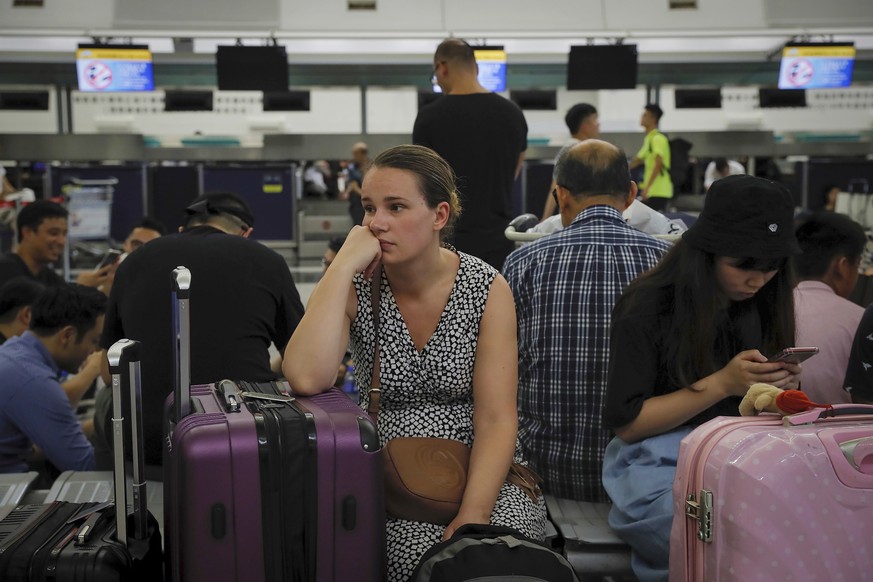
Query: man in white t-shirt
(8, 192)
(719, 168)
(638, 215)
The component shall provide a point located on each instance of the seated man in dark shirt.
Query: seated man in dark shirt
(242, 295)
(42, 234)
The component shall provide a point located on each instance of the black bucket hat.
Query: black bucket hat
(746, 217)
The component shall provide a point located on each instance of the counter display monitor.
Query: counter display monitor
(492, 68)
(252, 68)
(816, 65)
(591, 67)
(106, 69)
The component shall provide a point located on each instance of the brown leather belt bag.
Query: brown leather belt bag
(425, 477)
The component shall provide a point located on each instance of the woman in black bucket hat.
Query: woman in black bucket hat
(688, 339)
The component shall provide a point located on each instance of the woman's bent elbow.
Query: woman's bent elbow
(306, 385)
(628, 433)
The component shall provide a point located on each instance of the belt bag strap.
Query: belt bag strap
(375, 385)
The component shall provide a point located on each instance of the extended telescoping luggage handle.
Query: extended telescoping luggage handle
(815, 414)
(124, 365)
(182, 341)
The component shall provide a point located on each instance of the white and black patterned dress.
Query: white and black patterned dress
(430, 394)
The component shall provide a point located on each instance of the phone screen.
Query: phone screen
(794, 355)
(109, 258)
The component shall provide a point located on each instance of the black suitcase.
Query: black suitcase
(79, 542)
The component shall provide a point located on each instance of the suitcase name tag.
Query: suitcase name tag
(233, 397)
(267, 397)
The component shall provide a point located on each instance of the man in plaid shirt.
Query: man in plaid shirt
(565, 286)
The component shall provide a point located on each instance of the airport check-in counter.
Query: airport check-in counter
(161, 182)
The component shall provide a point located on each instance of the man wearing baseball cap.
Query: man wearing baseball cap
(243, 294)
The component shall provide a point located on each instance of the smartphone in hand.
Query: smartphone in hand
(794, 355)
(109, 258)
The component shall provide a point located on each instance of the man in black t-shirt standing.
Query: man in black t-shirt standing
(483, 137)
(242, 295)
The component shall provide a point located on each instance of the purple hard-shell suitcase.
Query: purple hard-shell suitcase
(762, 498)
(263, 485)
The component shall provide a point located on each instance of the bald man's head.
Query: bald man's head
(593, 168)
(456, 53)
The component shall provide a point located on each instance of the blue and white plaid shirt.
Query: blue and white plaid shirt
(565, 287)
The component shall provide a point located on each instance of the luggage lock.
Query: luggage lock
(702, 513)
(230, 394)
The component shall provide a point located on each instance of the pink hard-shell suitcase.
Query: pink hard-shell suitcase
(762, 498)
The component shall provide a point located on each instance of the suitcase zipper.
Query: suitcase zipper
(191, 422)
(40, 566)
(699, 502)
(51, 562)
(11, 543)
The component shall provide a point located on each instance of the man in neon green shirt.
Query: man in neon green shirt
(657, 187)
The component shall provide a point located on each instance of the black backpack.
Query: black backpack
(680, 161)
(491, 552)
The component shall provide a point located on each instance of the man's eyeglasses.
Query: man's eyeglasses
(555, 194)
(433, 74)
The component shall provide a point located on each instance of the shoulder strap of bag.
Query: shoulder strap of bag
(664, 168)
(375, 386)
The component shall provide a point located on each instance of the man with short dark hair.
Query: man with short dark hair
(827, 270)
(42, 234)
(243, 298)
(583, 123)
(483, 137)
(657, 187)
(146, 230)
(64, 330)
(565, 286)
(16, 298)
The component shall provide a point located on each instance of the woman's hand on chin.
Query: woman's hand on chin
(361, 251)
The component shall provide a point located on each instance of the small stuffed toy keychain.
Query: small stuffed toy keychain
(767, 398)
